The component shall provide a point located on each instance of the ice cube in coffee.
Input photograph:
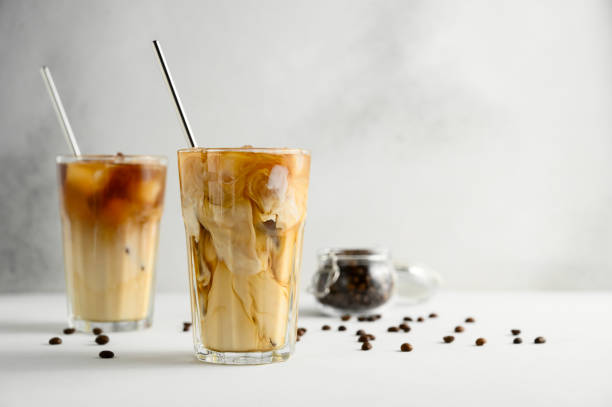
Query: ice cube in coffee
(110, 212)
(244, 212)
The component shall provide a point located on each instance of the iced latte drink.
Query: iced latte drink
(244, 212)
(110, 210)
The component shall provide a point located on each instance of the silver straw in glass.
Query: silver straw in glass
(177, 100)
(62, 117)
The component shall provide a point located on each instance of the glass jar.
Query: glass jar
(353, 280)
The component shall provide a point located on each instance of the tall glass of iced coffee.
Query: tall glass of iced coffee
(110, 210)
(244, 212)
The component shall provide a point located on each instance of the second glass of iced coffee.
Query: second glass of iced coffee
(110, 209)
(244, 212)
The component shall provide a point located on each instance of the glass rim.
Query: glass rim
(114, 158)
(268, 150)
(355, 253)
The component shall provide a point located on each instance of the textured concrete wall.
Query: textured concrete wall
(471, 136)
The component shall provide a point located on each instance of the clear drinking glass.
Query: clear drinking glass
(110, 211)
(244, 212)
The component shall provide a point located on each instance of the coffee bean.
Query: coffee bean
(459, 328)
(326, 327)
(363, 338)
(360, 332)
(69, 331)
(341, 328)
(301, 331)
(345, 317)
(408, 319)
(378, 316)
(420, 319)
(406, 347)
(480, 341)
(515, 332)
(55, 341)
(106, 354)
(539, 339)
(448, 339)
(393, 329)
(371, 318)
(403, 326)
(102, 339)
(186, 326)
(517, 340)
(433, 315)
(371, 337)
(406, 329)
(366, 346)
(361, 318)
(97, 331)
(470, 320)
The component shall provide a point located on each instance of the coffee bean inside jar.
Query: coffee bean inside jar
(354, 280)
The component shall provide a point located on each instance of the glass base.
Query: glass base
(82, 325)
(242, 358)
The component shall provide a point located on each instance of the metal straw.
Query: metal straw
(177, 100)
(59, 110)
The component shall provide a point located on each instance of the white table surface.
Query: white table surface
(156, 367)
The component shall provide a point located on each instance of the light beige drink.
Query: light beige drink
(110, 210)
(244, 212)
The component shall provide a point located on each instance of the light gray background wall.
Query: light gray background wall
(471, 136)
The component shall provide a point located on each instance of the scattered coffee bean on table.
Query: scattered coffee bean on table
(433, 315)
(301, 331)
(102, 339)
(378, 316)
(371, 318)
(186, 326)
(420, 319)
(393, 329)
(517, 341)
(366, 346)
(341, 328)
(326, 327)
(69, 331)
(406, 329)
(403, 326)
(480, 341)
(407, 319)
(345, 317)
(458, 328)
(470, 320)
(363, 338)
(97, 331)
(515, 331)
(540, 339)
(361, 318)
(406, 347)
(360, 332)
(55, 341)
(106, 354)
(371, 337)
(448, 339)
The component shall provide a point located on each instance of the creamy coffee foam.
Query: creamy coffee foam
(244, 215)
